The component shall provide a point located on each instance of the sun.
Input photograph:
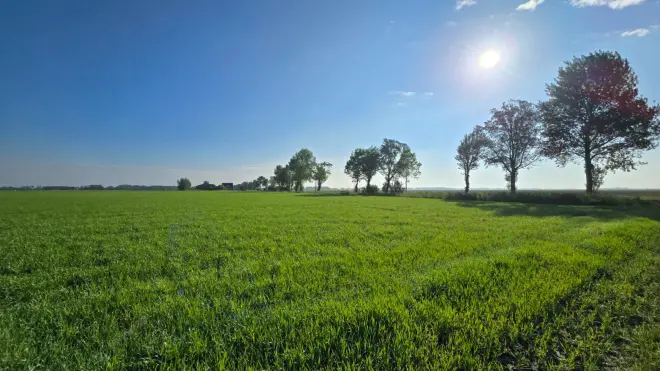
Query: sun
(489, 59)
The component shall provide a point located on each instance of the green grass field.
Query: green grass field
(155, 280)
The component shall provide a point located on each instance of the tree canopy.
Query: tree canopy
(183, 184)
(408, 167)
(595, 116)
(302, 166)
(390, 155)
(320, 173)
(512, 138)
(470, 153)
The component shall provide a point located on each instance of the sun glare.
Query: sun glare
(489, 59)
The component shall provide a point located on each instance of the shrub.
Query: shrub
(370, 190)
(397, 187)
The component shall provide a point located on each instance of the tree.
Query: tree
(282, 177)
(352, 168)
(512, 138)
(302, 165)
(261, 182)
(390, 154)
(408, 166)
(320, 173)
(595, 116)
(183, 184)
(470, 153)
(370, 163)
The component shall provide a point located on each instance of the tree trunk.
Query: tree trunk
(467, 182)
(588, 165)
(406, 184)
(318, 187)
(588, 171)
(513, 182)
(356, 186)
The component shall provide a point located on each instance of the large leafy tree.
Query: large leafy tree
(369, 163)
(352, 168)
(261, 182)
(595, 116)
(390, 154)
(470, 153)
(302, 165)
(512, 136)
(408, 166)
(282, 177)
(320, 173)
(183, 184)
(363, 164)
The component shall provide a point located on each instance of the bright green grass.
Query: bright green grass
(141, 280)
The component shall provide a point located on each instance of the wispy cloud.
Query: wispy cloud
(450, 23)
(530, 5)
(614, 4)
(639, 32)
(410, 97)
(460, 4)
(405, 94)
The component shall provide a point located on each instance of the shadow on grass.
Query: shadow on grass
(649, 210)
(328, 194)
(566, 211)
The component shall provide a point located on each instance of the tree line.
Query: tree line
(594, 116)
(92, 187)
(393, 159)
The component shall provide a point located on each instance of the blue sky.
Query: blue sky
(143, 92)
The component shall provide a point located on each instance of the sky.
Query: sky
(145, 92)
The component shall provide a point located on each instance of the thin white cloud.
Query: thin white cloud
(639, 32)
(429, 94)
(405, 94)
(530, 5)
(460, 4)
(450, 24)
(613, 4)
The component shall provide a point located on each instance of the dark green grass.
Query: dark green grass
(144, 280)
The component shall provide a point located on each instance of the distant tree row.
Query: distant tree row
(184, 184)
(92, 187)
(594, 116)
(302, 168)
(393, 159)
